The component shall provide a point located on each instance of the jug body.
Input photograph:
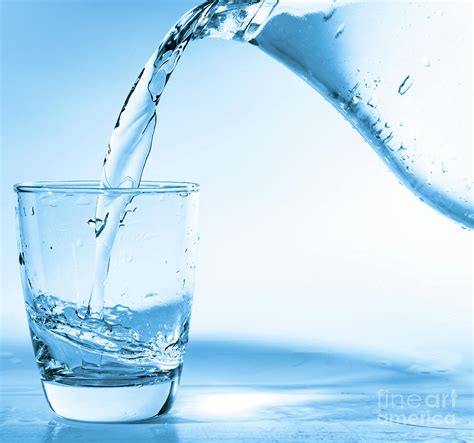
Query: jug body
(399, 72)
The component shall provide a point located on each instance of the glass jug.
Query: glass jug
(399, 72)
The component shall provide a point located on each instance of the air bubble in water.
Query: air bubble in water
(157, 84)
(169, 64)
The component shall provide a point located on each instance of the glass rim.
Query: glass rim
(94, 187)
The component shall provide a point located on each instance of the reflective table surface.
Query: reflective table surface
(237, 391)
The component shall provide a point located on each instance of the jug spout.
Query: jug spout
(236, 19)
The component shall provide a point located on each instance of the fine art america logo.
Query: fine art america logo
(434, 409)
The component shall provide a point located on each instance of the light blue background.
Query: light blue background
(305, 236)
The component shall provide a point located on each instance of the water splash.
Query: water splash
(123, 340)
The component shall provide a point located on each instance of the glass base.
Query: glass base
(111, 404)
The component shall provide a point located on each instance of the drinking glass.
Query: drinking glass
(121, 362)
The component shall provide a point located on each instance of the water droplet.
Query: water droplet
(426, 62)
(444, 168)
(410, 171)
(375, 123)
(354, 101)
(372, 102)
(151, 294)
(339, 31)
(329, 13)
(406, 84)
(78, 243)
(354, 88)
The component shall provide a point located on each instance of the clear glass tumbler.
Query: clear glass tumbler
(122, 363)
